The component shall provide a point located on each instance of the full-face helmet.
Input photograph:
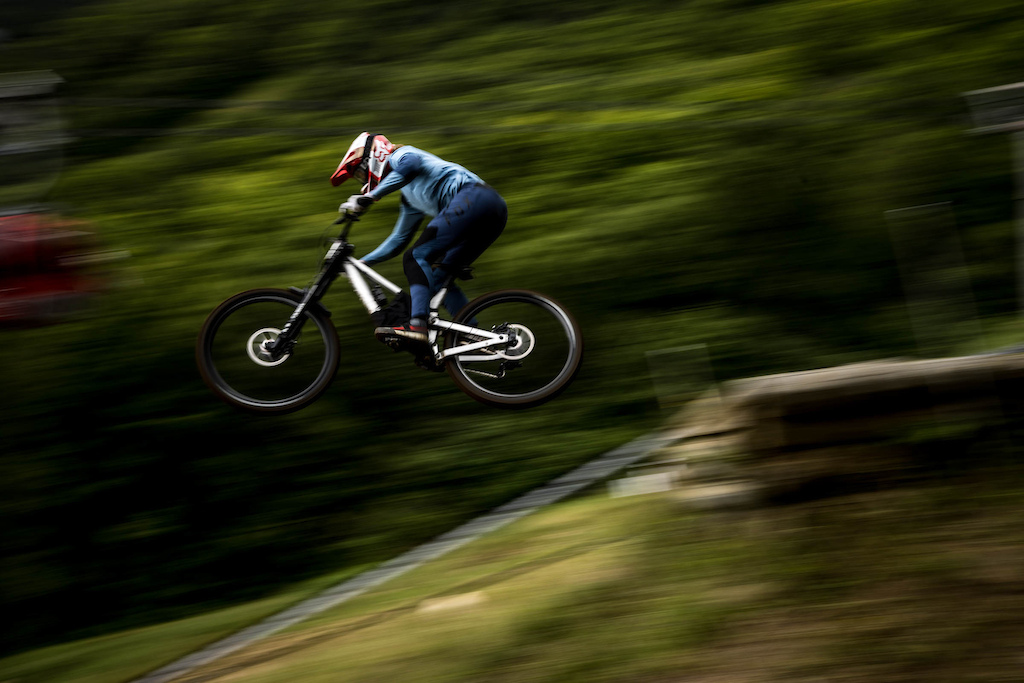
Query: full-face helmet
(365, 160)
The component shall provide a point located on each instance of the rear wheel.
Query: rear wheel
(235, 362)
(540, 360)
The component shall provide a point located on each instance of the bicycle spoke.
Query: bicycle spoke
(238, 365)
(540, 356)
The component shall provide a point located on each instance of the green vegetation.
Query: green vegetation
(127, 655)
(708, 172)
(898, 585)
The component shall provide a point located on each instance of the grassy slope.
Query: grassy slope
(126, 655)
(899, 585)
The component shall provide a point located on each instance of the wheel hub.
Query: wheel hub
(259, 344)
(522, 342)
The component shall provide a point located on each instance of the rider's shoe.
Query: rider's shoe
(415, 330)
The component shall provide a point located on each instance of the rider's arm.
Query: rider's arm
(406, 166)
(409, 220)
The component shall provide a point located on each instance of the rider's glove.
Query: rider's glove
(356, 204)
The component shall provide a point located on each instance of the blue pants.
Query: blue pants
(473, 219)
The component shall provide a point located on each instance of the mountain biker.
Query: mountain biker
(468, 215)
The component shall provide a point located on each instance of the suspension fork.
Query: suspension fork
(333, 263)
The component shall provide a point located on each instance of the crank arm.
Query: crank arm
(491, 375)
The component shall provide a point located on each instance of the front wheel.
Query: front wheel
(234, 361)
(542, 356)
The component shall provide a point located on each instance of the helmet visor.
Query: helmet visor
(346, 170)
(350, 162)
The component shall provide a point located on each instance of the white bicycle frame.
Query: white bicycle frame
(357, 272)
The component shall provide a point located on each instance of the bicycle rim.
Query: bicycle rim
(234, 367)
(539, 362)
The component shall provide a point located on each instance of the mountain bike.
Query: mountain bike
(276, 350)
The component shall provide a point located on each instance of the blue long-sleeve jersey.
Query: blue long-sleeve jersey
(427, 183)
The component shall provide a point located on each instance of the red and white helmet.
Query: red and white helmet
(369, 150)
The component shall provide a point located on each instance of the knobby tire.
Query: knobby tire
(563, 331)
(318, 333)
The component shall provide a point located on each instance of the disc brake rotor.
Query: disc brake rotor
(257, 347)
(524, 344)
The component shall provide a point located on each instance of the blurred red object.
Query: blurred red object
(43, 267)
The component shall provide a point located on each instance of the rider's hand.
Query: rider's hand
(356, 204)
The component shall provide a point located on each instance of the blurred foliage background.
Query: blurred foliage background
(705, 172)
